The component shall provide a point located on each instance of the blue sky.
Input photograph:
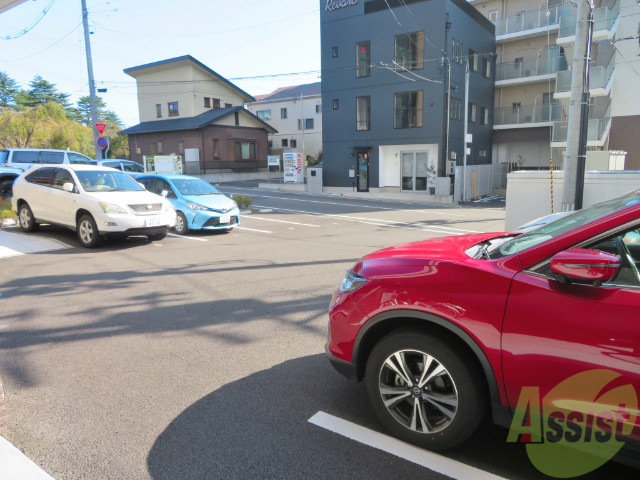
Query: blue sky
(239, 39)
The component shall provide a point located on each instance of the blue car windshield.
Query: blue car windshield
(194, 186)
(107, 181)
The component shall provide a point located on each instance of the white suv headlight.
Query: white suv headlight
(112, 208)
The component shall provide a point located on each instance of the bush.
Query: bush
(5, 211)
(243, 201)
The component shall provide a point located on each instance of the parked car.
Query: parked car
(18, 160)
(198, 204)
(130, 167)
(446, 330)
(94, 201)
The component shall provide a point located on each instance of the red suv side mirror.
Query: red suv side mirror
(582, 265)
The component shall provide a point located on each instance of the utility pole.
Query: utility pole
(92, 86)
(575, 157)
(466, 130)
(447, 98)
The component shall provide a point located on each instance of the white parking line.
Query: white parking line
(253, 217)
(432, 461)
(14, 464)
(188, 238)
(253, 230)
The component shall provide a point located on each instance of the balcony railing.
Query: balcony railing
(528, 114)
(603, 19)
(599, 77)
(530, 20)
(531, 67)
(595, 132)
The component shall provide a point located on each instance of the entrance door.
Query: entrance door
(416, 172)
(363, 172)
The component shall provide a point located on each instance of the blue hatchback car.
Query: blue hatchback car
(198, 204)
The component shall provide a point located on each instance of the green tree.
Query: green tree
(82, 112)
(41, 92)
(8, 91)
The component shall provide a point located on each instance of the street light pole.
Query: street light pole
(92, 86)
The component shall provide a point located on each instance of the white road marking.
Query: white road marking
(253, 217)
(437, 228)
(12, 244)
(306, 200)
(253, 230)
(188, 238)
(14, 464)
(424, 458)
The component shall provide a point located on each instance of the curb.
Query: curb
(4, 416)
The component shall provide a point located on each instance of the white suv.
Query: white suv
(94, 201)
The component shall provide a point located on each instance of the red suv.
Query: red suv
(446, 330)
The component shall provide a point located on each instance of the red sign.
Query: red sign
(100, 127)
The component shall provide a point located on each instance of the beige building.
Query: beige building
(184, 105)
(534, 54)
(296, 112)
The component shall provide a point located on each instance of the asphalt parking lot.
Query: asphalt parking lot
(201, 356)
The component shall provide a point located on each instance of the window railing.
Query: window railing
(603, 19)
(596, 129)
(530, 20)
(599, 77)
(531, 67)
(528, 114)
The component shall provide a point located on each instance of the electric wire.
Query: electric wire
(26, 30)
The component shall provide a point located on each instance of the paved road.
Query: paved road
(201, 357)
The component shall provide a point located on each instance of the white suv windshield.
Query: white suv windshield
(102, 181)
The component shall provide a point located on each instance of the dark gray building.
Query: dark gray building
(393, 90)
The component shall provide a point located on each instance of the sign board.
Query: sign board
(163, 164)
(101, 127)
(101, 142)
(273, 160)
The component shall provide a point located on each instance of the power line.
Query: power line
(33, 24)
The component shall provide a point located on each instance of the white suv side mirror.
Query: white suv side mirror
(68, 187)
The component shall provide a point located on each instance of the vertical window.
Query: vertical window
(363, 113)
(482, 153)
(319, 108)
(472, 113)
(484, 116)
(283, 113)
(493, 15)
(159, 145)
(216, 148)
(181, 148)
(473, 60)
(173, 109)
(245, 150)
(334, 52)
(486, 68)
(158, 110)
(336, 104)
(363, 59)
(409, 51)
(153, 148)
(457, 52)
(294, 143)
(215, 102)
(407, 109)
(207, 102)
(284, 142)
(236, 117)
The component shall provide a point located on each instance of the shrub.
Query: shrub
(243, 201)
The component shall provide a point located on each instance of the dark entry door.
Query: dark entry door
(363, 172)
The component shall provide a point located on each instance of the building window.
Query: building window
(245, 150)
(515, 106)
(482, 153)
(457, 53)
(216, 148)
(473, 60)
(207, 102)
(472, 113)
(181, 148)
(363, 113)
(484, 116)
(153, 148)
(363, 59)
(306, 124)
(159, 147)
(215, 103)
(227, 105)
(283, 113)
(334, 52)
(173, 109)
(284, 142)
(336, 104)
(493, 15)
(236, 118)
(158, 110)
(294, 143)
(409, 51)
(407, 109)
(319, 108)
(486, 67)
(264, 114)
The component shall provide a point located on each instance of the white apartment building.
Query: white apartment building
(296, 112)
(534, 55)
